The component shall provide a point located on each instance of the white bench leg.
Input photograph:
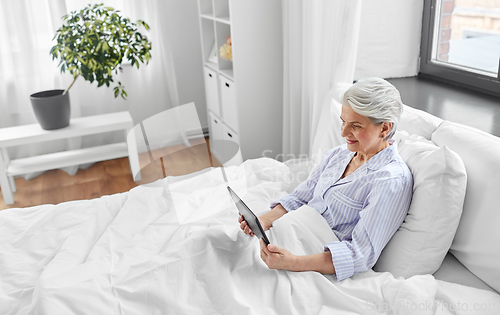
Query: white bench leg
(6, 161)
(12, 184)
(8, 197)
(133, 155)
(74, 143)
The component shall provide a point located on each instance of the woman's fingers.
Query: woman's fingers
(269, 249)
(264, 252)
(244, 226)
(248, 230)
(263, 246)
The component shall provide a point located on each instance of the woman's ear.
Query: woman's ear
(386, 128)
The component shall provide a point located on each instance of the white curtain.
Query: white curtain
(320, 45)
(26, 31)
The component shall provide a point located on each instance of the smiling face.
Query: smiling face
(362, 135)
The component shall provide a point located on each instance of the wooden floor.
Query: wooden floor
(108, 177)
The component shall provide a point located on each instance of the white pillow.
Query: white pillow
(424, 238)
(477, 243)
(416, 121)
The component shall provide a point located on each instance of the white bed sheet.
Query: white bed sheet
(174, 247)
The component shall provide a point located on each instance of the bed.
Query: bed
(174, 247)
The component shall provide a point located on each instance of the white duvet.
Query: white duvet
(174, 247)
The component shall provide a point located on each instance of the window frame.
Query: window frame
(455, 75)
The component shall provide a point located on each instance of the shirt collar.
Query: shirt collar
(384, 157)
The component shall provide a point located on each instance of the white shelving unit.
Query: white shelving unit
(245, 96)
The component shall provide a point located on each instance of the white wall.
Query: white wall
(389, 39)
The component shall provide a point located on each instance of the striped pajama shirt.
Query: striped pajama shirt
(364, 209)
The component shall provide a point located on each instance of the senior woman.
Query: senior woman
(363, 188)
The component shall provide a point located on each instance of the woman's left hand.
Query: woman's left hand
(277, 258)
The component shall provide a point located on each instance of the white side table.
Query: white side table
(19, 135)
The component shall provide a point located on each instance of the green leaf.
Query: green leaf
(80, 59)
(94, 41)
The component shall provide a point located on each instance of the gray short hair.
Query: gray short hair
(376, 99)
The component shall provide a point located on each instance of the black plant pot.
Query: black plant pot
(52, 109)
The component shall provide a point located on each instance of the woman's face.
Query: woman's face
(361, 133)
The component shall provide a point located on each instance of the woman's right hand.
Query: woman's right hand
(266, 224)
(244, 225)
(266, 220)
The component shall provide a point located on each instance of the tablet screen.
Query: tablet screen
(249, 216)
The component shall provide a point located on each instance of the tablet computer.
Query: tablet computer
(249, 216)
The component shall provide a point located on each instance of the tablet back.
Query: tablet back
(249, 216)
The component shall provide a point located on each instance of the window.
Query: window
(461, 43)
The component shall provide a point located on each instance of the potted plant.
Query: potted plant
(92, 43)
